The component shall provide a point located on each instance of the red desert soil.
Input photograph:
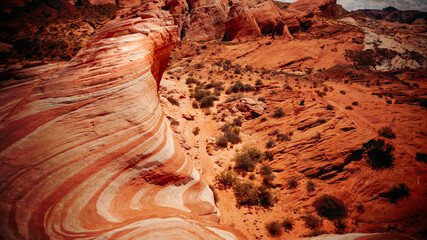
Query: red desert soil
(324, 160)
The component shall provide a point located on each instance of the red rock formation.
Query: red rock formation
(87, 152)
(325, 8)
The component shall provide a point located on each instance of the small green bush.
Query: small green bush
(349, 108)
(329, 107)
(258, 82)
(330, 207)
(355, 103)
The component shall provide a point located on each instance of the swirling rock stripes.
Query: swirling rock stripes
(87, 153)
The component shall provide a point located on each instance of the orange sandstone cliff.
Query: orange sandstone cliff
(86, 151)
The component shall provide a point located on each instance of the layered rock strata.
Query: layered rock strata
(86, 151)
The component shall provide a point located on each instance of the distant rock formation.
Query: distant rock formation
(86, 151)
(392, 14)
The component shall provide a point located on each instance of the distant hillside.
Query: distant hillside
(392, 14)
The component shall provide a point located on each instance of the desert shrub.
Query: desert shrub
(396, 193)
(270, 144)
(320, 93)
(360, 208)
(209, 148)
(244, 162)
(292, 183)
(263, 119)
(247, 157)
(267, 174)
(196, 131)
(251, 176)
(349, 108)
(248, 68)
(254, 153)
(274, 132)
(237, 122)
(317, 135)
(340, 225)
(355, 103)
(312, 221)
(273, 92)
(342, 92)
(258, 82)
(265, 170)
(421, 157)
(246, 193)
(222, 141)
(227, 178)
(261, 99)
(330, 207)
(310, 186)
(329, 107)
(284, 137)
(321, 120)
(265, 197)
(173, 101)
(387, 132)
(379, 154)
(233, 137)
(248, 88)
(274, 228)
(200, 94)
(278, 113)
(237, 87)
(191, 80)
(269, 155)
(288, 223)
(206, 102)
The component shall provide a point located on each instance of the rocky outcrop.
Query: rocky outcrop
(231, 20)
(87, 152)
(325, 8)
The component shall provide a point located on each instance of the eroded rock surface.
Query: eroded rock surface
(86, 151)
